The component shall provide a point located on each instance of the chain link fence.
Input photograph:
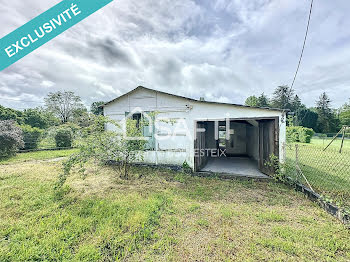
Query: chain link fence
(326, 172)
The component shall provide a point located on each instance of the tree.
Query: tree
(11, 114)
(96, 109)
(11, 138)
(252, 101)
(325, 114)
(64, 137)
(81, 117)
(344, 115)
(38, 117)
(106, 146)
(307, 117)
(63, 104)
(297, 107)
(296, 104)
(263, 101)
(283, 97)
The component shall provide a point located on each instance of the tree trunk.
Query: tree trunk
(126, 168)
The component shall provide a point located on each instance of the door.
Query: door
(268, 144)
(200, 158)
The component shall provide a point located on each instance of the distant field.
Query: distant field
(324, 142)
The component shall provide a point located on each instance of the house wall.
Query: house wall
(181, 115)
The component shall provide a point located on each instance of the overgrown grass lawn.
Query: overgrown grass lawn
(159, 215)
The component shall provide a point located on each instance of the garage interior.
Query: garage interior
(247, 143)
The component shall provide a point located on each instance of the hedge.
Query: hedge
(31, 136)
(64, 137)
(299, 134)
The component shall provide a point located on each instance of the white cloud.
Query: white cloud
(46, 83)
(224, 50)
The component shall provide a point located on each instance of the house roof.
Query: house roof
(191, 99)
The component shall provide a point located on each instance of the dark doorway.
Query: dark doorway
(248, 145)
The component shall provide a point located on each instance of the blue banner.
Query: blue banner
(45, 27)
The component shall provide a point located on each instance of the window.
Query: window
(137, 117)
(143, 122)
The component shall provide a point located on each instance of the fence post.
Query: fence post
(296, 160)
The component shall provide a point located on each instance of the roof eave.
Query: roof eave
(195, 100)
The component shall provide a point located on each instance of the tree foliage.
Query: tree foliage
(251, 101)
(283, 97)
(11, 114)
(40, 118)
(296, 104)
(344, 115)
(307, 117)
(64, 137)
(31, 136)
(82, 117)
(261, 101)
(106, 146)
(299, 134)
(63, 104)
(96, 109)
(325, 113)
(11, 138)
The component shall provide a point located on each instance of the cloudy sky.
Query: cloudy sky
(224, 50)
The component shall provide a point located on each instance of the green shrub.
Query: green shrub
(31, 136)
(11, 138)
(299, 134)
(64, 137)
(74, 128)
(186, 168)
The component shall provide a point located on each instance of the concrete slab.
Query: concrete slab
(235, 166)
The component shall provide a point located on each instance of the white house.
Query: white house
(208, 136)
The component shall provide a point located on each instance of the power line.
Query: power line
(302, 50)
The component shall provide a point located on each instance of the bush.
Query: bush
(31, 136)
(64, 137)
(299, 134)
(106, 147)
(74, 128)
(11, 138)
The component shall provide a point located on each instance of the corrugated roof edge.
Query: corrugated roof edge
(196, 100)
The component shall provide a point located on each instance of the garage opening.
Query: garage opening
(236, 146)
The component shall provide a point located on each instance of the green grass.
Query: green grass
(336, 143)
(328, 172)
(38, 155)
(162, 216)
